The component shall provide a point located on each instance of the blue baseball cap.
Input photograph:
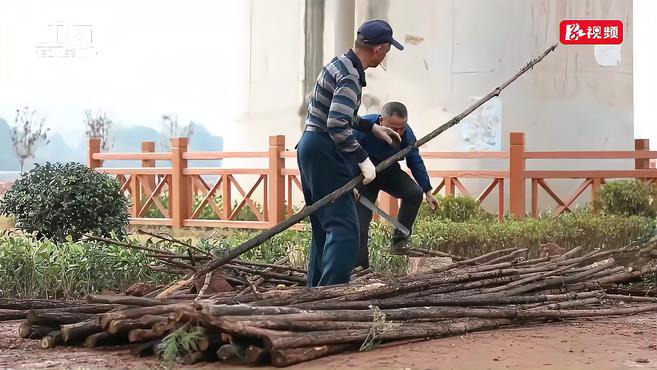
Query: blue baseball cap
(377, 32)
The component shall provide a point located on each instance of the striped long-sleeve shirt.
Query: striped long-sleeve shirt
(334, 102)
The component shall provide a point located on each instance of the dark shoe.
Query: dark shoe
(401, 246)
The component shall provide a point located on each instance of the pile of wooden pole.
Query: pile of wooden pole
(294, 324)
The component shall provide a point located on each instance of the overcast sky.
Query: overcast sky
(146, 58)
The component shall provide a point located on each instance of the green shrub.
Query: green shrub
(570, 230)
(629, 198)
(31, 268)
(56, 200)
(454, 208)
(468, 239)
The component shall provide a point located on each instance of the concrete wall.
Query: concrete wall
(460, 50)
(457, 51)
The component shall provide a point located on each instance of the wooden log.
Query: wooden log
(528, 279)
(7, 314)
(34, 331)
(172, 288)
(193, 358)
(159, 329)
(571, 304)
(511, 256)
(361, 272)
(56, 317)
(210, 342)
(632, 291)
(356, 270)
(131, 313)
(150, 320)
(80, 330)
(256, 355)
(29, 304)
(612, 271)
(103, 338)
(232, 353)
(365, 277)
(51, 340)
(435, 253)
(268, 274)
(534, 261)
(283, 339)
(127, 300)
(22, 314)
(568, 254)
(473, 287)
(291, 356)
(124, 325)
(482, 268)
(629, 298)
(414, 313)
(548, 283)
(240, 309)
(142, 335)
(475, 260)
(192, 296)
(375, 290)
(603, 282)
(597, 255)
(301, 326)
(477, 300)
(145, 348)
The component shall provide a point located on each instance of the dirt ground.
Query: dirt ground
(601, 344)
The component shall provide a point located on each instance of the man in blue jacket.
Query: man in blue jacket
(393, 180)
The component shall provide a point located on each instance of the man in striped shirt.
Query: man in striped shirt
(327, 149)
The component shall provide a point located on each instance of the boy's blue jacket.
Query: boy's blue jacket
(379, 150)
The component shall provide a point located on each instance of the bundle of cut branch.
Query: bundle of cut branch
(295, 324)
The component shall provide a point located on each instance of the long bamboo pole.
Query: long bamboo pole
(310, 209)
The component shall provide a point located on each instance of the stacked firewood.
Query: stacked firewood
(289, 325)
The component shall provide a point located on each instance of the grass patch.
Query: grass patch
(33, 268)
(30, 268)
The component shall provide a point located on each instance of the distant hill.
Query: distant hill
(202, 140)
(8, 161)
(126, 139)
(56, 150)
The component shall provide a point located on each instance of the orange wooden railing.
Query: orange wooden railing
(279, 186)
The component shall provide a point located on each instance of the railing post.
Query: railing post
(641, 145)
(180, 197)
(449, 186)
(595, 193)
(93, 148)
(275, 207)
(226, 196)
(135, 188)
(148, 147)
(517, 174)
